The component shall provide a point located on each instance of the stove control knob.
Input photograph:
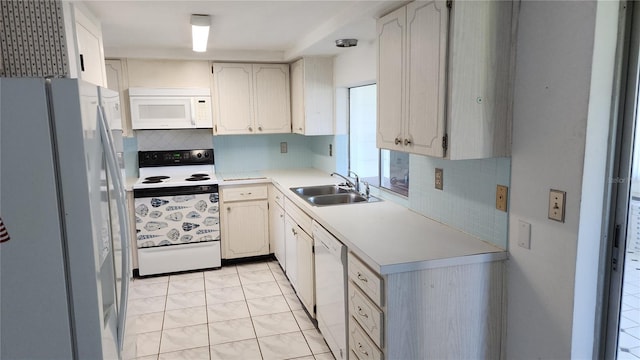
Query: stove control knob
(199, 155)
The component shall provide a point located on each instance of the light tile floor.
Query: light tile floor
(629, 336)
(247, 311)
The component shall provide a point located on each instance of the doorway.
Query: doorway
(622, 295)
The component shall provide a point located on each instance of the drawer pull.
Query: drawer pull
(362, 278)
(362, 313)
(244, 194)
(362, 350)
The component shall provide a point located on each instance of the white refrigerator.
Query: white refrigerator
(64, 273)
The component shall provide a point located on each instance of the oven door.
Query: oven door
(178, 228)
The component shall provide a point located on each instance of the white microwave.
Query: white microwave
(154, 108)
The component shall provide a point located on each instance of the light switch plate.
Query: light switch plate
(557, 201)
(439, 181)
(283, 147)
(501, 197)
(524, 234)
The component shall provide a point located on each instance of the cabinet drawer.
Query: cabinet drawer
(366, 313)
(276, 196)
(299, 216)
(241, 193)
(367, 280)
(360, 343)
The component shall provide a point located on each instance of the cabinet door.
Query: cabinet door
(245, 231)
(90, 53)
(305, 274)
(297, 97)
(291, 231)
(232, 98)
(480, 89)
(276, 232)
(272, 98)
(426, 40)
(117, 81)
(391, 53)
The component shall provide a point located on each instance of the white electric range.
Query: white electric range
(177, 212)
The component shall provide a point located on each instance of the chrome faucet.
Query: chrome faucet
(348, 181)
(357, 180)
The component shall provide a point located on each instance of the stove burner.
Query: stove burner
(198, 178)
(156, 178)
(152, 181)
(199, 175)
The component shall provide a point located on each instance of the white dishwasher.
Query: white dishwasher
(331, 298)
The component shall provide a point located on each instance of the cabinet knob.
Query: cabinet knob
(250, 128)
(362, 350)
(398, 141)
(259, 128)
(294, 231)
(362, 278)
(407, 142)
(229, 209)
(300, 128)
(362, 313)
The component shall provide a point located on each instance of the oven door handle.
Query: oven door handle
(112, 164)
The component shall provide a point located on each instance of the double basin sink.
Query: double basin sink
(325, 195)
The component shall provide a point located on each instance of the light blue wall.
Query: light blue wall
(240, 153)
(468, 200)
(320, 158)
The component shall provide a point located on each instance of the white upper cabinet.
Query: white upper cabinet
(391, 54)
(312, 96)
(411, 78)
(481, 59)
(251, 98)
(443, 79)
(86, 54)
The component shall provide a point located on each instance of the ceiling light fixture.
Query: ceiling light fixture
(200, 31)
(346, 42)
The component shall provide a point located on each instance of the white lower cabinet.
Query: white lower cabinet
(291, 230)
(245, 221)
(453, 312)
(276, 233)
(306, 278)
(293, 246)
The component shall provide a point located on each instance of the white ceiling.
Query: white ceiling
(264, 30)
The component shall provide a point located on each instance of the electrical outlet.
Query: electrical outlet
(557, 201)
(330, 149)
(439, 179)
(524, 234)
(283, 147)
(501, 197)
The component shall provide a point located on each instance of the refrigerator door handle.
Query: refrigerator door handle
(112, 164)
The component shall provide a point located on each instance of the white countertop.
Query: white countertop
(388, 237)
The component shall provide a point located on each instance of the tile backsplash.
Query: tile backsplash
(467, 201)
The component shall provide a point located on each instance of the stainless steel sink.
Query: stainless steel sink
(319, 190)
(336, 199)
(326, 195)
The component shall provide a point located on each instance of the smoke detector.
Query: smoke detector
(343, 43)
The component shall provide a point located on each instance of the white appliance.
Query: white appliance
(153, 108)
(62, 293)
(331, 295)
(177, 212)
